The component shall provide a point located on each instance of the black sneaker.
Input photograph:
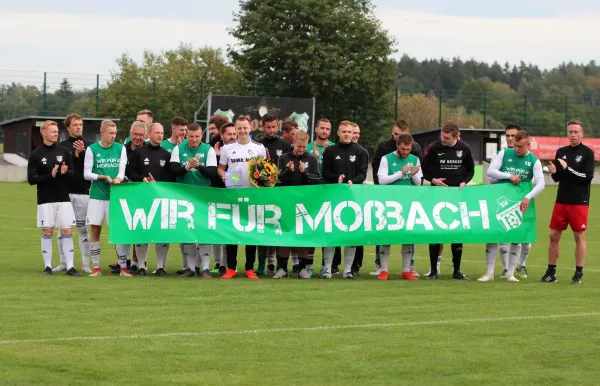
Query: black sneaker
(188, 273)
(355, 273)
(142, 272)
(270, 269)
(335, 271)
(577, 278)
(197, 271)
(547, 278)
(47, 271)
(116, 270)
(432, 276)
(181, 271)
(160, 272)
(459, 276)
(113, 266)
(296, 268)
(134, 269)
(222, 270)
(73, 272)
(216, 268)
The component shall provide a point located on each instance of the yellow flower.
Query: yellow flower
(269, 168)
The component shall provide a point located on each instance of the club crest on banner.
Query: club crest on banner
(509, 214)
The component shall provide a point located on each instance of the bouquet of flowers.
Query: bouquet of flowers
(262, 172)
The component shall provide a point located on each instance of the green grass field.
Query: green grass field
(113, 330)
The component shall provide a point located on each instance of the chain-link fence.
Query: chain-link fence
(122, 95)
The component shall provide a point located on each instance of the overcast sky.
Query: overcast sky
(70, 36)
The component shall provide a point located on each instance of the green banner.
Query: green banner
(319, 215)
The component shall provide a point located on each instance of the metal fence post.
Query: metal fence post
(525, 112)
(396, 107)
(566, 114)
(440, 112)
(97, 95)
(44, 96)
(485, 110)
(154, 95)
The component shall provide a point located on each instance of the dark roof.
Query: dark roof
(462, 130)
(51, 118)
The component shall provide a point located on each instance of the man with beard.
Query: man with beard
(150, 163)
(275, 148)
(399, 168)
(316, 148)
(195, 163)
(79, 191)
(288, 129)
(515, 165)
(385, 147)
(215, 123)
(344, 162)
(449, 162)
(297, 167)
(226, 136)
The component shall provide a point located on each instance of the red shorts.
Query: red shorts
(574, 215)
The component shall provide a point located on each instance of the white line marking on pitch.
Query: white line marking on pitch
(296, 329)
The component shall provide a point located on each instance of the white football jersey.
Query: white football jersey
(236, 156)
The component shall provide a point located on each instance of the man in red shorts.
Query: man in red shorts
(573, 169)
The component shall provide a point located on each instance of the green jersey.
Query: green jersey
(104, 161)
(517, 165)
(309, 150)
(205, 154)
(396, 164)
(169, 146)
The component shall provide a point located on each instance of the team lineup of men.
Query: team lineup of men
(74, 180)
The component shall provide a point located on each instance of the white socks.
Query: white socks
(47, 251)
(407, 252)
(513, 259)
(84, 245)
(141, 251)
(162, 250)
(328, 258)
(504, 251)
(67, 247)
(294, 258)
(204, 253)
(95, 253)
(491, 250)
(123, 251)
(217, 253)
(183, 257)
(384, 257)
(271, 259)
(190, 255)
(349, 253)
(525, 249)
(60, 248)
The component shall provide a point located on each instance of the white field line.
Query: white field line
(299, 329)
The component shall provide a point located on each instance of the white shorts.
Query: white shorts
(97, 211)
(55, 215)
(80, 207)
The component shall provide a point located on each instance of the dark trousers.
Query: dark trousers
(232, 256)
(434, 252)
